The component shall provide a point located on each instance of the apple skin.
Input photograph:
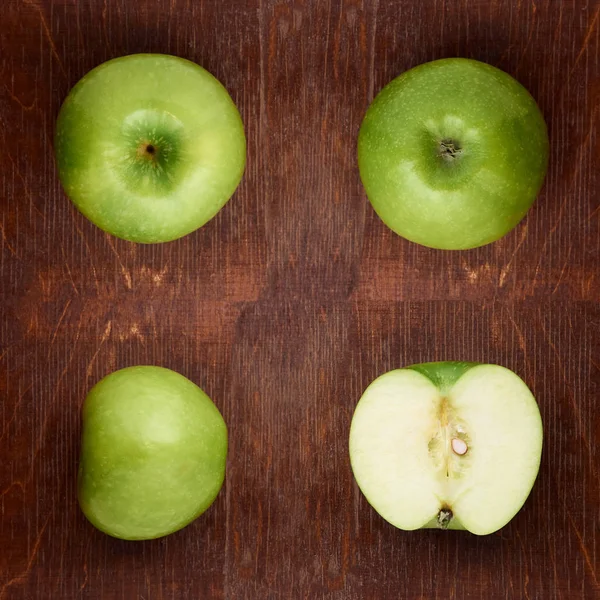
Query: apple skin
(153, 453)
(443, 374)
(149, 147)
(453, 153)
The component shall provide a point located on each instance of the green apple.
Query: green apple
(153, 453)
(149, 147)
(453, 153)
(449, 445)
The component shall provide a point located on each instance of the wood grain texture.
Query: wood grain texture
(287, 304)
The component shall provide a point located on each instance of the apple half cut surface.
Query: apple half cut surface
(149, 147)
(449, 445)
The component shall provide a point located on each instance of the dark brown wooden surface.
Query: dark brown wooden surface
(291, 301)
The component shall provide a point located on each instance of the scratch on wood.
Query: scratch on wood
(526, 582)
(25, 107)
(572, 401)
(48, 35)
(375, 8)
(586, 41)
(62, 250)
(562, 272)
(126, 274)
(505, 270)
(60, 320)
(7, 243)
(12, 418)
(30, 562)
(519, 334)
(102, 340)
(25, 186)
(84, 240)
(584, 550)
(14, 484)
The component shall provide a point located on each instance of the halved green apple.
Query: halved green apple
(450, 445)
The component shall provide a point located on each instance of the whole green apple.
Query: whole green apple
(448, 445)
(453, 153)
(149, 147)
(153, 453)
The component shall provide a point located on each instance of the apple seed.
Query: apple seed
(459, 446)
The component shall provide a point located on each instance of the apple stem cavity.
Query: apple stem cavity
(459, 446)
(147, 151)
(449, 150)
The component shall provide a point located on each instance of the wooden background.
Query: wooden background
(285, 306)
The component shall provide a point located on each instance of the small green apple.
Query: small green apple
(453, 153)
(449, 445)
(153, 453)
(149, 147)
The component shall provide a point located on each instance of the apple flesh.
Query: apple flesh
(149, 147)
(448, 445)
(453, 153)
(153, 453)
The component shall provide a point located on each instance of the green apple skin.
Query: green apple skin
(443, 374)
(153, 453)
(453, 153)
(487, 486)
(149, 147)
